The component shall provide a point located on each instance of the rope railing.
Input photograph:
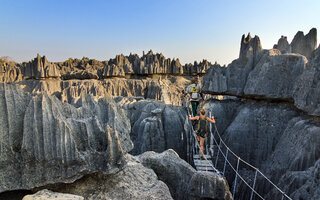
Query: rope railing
(197, 143)
(240, 160)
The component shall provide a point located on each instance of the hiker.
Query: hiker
(194, 90)
(202, 130)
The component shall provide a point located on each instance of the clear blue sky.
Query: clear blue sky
(189, 30)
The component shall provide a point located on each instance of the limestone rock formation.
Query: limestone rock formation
(278, 139)
(206, 185)
(275, 76)
(49, 195)
(250, 47)
(307, 86)
(282, 45)
(44, 140)
(287, 77)
(295, 159)
(304, 44)
(256, 129)
(40, 68)
(183, 181)
(120, 66)
(300, 44)
(157, 126)
(9, 72)
(133, 182)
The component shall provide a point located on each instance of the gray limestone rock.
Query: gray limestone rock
(49, 195)
(44, 140)
(304, 44)
(256, 129)
(157, 126)
(183, 181)
(10, 72)
(296, 151)
(282, 45)
(40, 68)
(134, 181)
(250, 47)
(207, 185)
(275, 75)
(307, 86)
(232, 79)
(224, 112)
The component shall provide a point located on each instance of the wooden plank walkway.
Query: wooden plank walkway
(203, 165)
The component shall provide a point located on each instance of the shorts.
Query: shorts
(201, 134)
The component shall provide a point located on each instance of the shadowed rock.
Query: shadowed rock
(156, 126)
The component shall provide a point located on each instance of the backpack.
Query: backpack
(194, 91)
(203, 125)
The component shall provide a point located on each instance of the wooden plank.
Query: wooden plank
(198, 156)
(203, 164)
(205, 169)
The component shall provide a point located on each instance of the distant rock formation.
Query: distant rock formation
(287, 77)
(250, 48)
(301, 44)
(40, 68)
(120, 66)
(282, 45)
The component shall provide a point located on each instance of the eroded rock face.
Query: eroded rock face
(206, 185)
(44, 140)
(133, 182)
(40, 68)
(304, 44)
(184, 181)
(157, 126)
(278, 139)
(307, 87)
(120, 66)
(282, 45)
(288, 77)
(255, 130)
(301, 44)
(275, 76)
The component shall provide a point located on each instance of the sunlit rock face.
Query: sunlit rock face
(272, 120)
(47, 194)
(301, 44)
(134, 181)
(44, 140)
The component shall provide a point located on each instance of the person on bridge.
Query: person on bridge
(202, 130)
(194, 91)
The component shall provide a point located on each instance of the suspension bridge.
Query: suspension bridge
(214, 154)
